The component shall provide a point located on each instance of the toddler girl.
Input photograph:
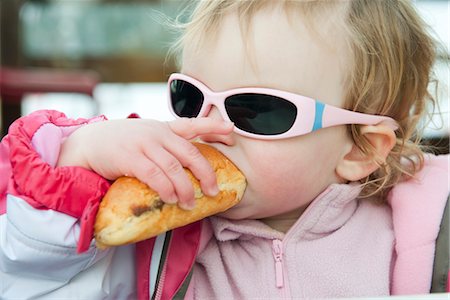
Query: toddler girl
(317, 102)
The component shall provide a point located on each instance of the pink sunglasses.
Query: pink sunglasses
(262, 113)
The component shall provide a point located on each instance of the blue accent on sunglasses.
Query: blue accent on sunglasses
(318, 115)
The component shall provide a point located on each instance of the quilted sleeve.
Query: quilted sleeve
(46, 212)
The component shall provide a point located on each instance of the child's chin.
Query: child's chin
(233, 213)
(239, 212)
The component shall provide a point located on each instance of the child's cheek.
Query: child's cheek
(280, 181)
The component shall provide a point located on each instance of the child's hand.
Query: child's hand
(152, 151)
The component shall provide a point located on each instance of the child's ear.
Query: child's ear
(355, 165)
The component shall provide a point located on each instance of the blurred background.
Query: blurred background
(89, 57)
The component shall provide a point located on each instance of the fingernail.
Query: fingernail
(187, 206)
(171, 200)
(213, 191)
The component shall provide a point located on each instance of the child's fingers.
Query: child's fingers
(164, 169)
(151, 174)
(191, 158)
(190, 128)
(173, 170)
(218, 138)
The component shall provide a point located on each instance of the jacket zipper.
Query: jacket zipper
(277, 251)
(159, 288)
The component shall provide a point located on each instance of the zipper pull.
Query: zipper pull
(277, 250)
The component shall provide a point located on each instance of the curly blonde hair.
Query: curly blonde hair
(393, 56)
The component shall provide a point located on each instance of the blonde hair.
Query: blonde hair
(393, 58)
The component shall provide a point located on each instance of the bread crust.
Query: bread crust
(131, 211)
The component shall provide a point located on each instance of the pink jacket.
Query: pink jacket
(342, 247)
(338, 248)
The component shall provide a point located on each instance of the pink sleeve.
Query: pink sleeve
(32, 149)
(5, 173)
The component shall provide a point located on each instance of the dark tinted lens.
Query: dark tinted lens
(261, 114)
(186, 99)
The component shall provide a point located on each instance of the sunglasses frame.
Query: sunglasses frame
(314, 114)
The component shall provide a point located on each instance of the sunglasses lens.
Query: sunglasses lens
(261, 114)
(185, 98)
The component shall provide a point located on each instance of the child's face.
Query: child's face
(285, 175)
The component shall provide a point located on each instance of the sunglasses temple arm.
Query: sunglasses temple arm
(333, 116)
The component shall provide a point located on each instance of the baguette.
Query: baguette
(131, 211)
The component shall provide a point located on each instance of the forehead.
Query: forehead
(278, 52)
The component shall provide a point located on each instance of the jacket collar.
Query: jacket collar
(327, 213)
